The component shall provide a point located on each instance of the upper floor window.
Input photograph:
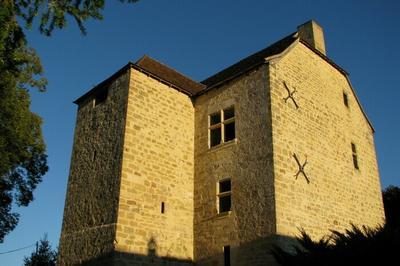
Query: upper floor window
(100, 96)
(222, 126)
(346, 99)
(224, 196)
(355, 156)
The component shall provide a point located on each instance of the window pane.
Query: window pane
(230, 131)
(225, 203)
(224, 186)
(229, 113)
(215, 136)
(215, 119)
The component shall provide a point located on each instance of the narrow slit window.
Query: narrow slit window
(94, 155)
(222, 126)
(163, 207)
(355, 156)
(227, 255)
(346, 99)
(101, 96)
(224, 196)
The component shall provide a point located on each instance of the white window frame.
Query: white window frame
(221, 125)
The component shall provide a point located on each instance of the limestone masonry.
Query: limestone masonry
(169, 171)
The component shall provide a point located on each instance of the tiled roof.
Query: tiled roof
(170, 75)
(250, 61)
(193, 88)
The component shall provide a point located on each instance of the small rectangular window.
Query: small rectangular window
(222, 126)
(227, 256)
(345, 99)
(355, 157)
(224, 196)
(101, 96)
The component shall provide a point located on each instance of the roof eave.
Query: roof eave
(102, 84)
(119, 72)
(220, 83)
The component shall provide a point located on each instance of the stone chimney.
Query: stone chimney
(313, 34)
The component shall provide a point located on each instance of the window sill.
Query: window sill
(223, 215)
(223, 145)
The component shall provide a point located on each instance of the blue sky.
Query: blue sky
(199, 38)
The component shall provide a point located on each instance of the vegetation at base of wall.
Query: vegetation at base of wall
(356, 246)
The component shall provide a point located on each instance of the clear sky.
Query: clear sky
(199, 38)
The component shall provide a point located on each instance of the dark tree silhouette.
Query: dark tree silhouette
(52, 13)
(44, 255)
(354, 247)
(22, 150)
(391, 202)
(23, 159)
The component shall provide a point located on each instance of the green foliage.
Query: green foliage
(354, 247)
(22, 150)
(23, 160)
(44, 255)
(391, 202)
(52, 13)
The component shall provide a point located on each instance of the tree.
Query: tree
(354, 247)
(44, 255)
(391, 202)
(23, 159)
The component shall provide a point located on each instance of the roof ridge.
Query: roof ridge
(169, 74)
(141, 59)
(253, 59)
(145, 56)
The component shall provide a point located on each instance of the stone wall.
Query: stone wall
(321, 130)
(157, 168)
(247, 161)
(147, 146)
(90, 213)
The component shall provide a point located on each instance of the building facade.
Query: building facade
(169, 171)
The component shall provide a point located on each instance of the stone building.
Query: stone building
(169, 171)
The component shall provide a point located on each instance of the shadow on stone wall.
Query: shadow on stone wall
(125, 258)
(258, 252)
